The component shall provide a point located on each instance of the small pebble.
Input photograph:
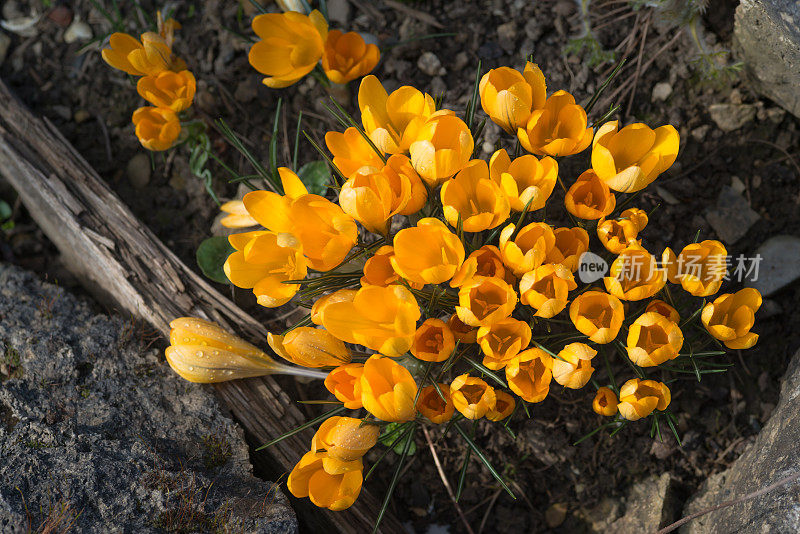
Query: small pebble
(555, 514)
(78, 31)
(661, 92)
(138, 171)
(430, 64)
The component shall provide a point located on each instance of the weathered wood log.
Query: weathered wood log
(124, 265)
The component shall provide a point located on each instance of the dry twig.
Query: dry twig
(447, 483)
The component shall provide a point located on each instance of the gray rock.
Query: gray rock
(773, 455)
(767, 39)
(650, 505)
(507, 35)
(138, 171)
(97, 432)
(599, 517)
(534, 29)
(780, 264)
(339, 11)
(430, 64)
(731, 117)
(732, 217)
(661, 92)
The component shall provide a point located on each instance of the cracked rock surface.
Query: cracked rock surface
(97, 434)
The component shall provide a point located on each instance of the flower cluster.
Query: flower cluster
(292, 44)
(436, 283)
(164, 82)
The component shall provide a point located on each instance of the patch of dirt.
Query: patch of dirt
(718, 417)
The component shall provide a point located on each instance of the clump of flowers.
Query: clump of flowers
(164, 82)
(293, 44)
(440, 289)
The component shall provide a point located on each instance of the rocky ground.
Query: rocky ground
(96, 434)
(737, 179)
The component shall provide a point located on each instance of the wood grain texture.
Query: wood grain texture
(126, 267)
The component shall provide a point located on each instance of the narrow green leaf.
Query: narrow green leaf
(211, 256)
(595, 431)
(473, 102)
(462, 474)
(395, 477)
(483, 369)
(588, 107)
(297, 140)
(307, 424)
(273, 144)
(483, 459)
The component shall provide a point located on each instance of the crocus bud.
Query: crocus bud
(156, 128)
(502, 341)
(388, 390)
(589, 197)
(201, 351)
(528, 249)
(428, 253)
(529, 374)
(509, 97)
(321, 304)
(472, 396)
(292, 55)
(573, 367)
(639, 398)
(237, 215)
(635, 275)
(345, 384)
(474, 198)
(526, 181)
(653, 339)
(310, 347)
(484, 301)
(380, 318)
(347, 56)
(168, 89)
(433, 341)
(597, 315)
(345, 438)
(335, 491)
(558, 129)
(605, 402)
(443, 146)
(731, 316)
(503, 407)
(546, 289)
(430, 404)
(630, 159)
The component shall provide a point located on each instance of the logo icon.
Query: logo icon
(592, 268)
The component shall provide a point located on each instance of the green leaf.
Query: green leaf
(391, 440)
(211, 256)
(315, 175)
(298, 429)
(5, 210)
